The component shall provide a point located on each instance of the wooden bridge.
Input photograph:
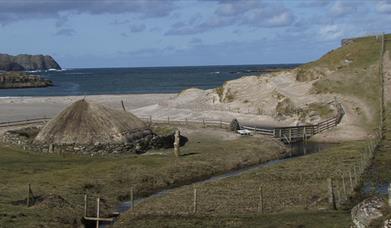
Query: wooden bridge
(298, 133)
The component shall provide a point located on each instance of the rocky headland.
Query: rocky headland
(27, 62)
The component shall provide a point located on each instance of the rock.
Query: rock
(27, 62)
(368, 212)
(22, 80)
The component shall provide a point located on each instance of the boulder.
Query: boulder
(368, 212)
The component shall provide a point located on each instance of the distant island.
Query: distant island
(27, 62)
(12, 69)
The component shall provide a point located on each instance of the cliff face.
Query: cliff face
(21, 80)
(27, 62)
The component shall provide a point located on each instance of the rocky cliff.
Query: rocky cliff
(10, 80)
(27, 62)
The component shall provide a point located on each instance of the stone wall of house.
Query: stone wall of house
(147, 141)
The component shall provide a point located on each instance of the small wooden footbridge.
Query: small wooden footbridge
(300, 133)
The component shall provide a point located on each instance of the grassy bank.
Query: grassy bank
(60, 182)
(291, 186)
(295, 219)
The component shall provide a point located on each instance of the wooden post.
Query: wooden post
(355, 174)
(195, 201)
(177, 143)
(186, 121)
(123, 106)
(150, 120)
(221, 123)
(168, 119)
(290, 134)
(203, 122)
(131, 198)
(97, 212)
(85, 205)
(28, 195)
(331, 194)
(344, 187)
(389, 195)
(260, 203)
(304, 134)
(351, 181)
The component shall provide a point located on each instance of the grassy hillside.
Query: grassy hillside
(60, 182)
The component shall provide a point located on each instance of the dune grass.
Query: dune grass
(111, 177)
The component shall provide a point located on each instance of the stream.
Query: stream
(297, 150)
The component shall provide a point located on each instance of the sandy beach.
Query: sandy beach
(142, 105)
(20, 108)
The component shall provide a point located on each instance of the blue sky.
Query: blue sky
(131, 33)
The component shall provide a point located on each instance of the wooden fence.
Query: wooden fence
(297, 133)
(286, 134)
(24, 122)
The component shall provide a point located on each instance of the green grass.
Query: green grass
(288, 187)
(111, 177)
(321, 219)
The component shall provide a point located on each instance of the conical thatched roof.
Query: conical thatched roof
(88, 123)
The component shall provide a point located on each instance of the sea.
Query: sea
(139, 80)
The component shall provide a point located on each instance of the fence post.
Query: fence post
(28, 195)
(85, 205)
(260, 203)
(195, 201)
(203, 122)
(351, 181)
(97, 212)
(131, 198)
(123, 106)
(168, 119)
(344, 187)
(177, 145)
(221, 123)
(150, 120)
(331, 194)
(186, 121)
(389, 195)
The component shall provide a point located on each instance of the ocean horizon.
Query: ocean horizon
(139, 80)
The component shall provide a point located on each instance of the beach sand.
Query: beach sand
(20, 108)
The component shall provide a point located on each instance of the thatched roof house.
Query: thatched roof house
(89, 123)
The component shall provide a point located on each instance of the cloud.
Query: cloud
(17, 10)
(196, 41)
(314, 3)
(331, 32)
(340, 8)
(137, 27)
(383, 6)
(230, 13)
(272, 17)
(65, 32)
(234, 8)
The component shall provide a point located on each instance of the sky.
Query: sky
(144, 33)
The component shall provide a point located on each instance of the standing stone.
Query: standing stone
(176, 143)
(234, 125)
